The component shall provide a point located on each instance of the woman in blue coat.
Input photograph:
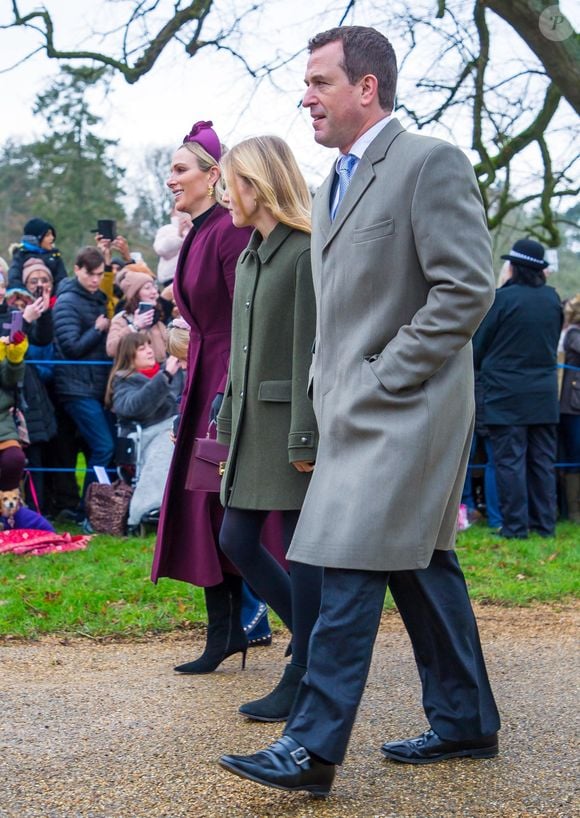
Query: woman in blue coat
(515, 350)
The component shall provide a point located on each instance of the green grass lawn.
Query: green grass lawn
(106, 591)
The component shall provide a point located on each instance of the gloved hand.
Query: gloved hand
(16, 351)
(216, 405)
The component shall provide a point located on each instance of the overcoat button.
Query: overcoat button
(245, 348)
(247, 305)
(241, 394)
(303, 440)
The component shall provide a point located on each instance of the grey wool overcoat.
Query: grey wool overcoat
(266, 416)
(403, 277)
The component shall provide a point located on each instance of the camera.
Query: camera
(107, 228)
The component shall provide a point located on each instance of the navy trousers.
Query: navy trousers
(526, 478)
(435, 607)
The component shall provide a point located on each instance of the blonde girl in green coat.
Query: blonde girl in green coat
(266, 416)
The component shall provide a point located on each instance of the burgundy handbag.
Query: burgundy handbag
(207, 465)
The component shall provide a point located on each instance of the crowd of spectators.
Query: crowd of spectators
(112, 308)
(63, 397)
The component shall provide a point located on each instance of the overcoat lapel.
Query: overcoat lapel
(323, 223)
(363, 176)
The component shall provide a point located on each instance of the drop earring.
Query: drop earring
(210, 191)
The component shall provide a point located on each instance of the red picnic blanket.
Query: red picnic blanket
(35, 542)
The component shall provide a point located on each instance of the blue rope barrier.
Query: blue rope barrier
(62, 470)
(67, 363)
(110, 363)
(556, 466)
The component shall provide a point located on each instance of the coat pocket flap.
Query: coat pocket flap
(277, 391)
(374, 231)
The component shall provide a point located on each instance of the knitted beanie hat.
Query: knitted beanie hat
(34, 265)
(133, 267)
(39, 228)
(132, 282)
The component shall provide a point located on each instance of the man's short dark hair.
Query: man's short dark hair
(90, 258)
(366, 51)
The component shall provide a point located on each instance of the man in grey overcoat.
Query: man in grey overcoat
(403, 276)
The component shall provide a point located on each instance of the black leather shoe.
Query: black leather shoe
(428, 748)
(284, 765)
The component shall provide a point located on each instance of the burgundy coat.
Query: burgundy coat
(203, 287)
(187, 539)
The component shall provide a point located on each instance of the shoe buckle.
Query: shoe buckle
(300, 755)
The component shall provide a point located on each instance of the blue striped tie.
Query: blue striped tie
(346, 167)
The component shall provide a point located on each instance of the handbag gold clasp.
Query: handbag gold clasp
(222, 467)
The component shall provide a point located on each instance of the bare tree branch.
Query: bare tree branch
(516, 144)
(479, 91)
(560, 57)
(195, 11)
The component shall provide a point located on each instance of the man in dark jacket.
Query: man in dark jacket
(37, 242)
(80, 332)
(515, 350)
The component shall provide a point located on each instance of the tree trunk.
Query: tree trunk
(550, 36)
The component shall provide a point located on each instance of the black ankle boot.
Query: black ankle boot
(225, 635)
(276, 705)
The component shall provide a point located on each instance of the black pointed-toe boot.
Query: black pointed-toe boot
(276, 705)
(225, 634)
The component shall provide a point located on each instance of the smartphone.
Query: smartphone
(107, 228)
(15, 324)
(145, 306)
(39, 291)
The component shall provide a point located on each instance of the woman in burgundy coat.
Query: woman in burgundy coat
(203, 287)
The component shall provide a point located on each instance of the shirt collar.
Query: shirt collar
(362, 143)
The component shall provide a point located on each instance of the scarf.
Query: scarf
(150, 372)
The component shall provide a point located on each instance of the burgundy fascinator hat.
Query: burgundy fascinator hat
(204, 135)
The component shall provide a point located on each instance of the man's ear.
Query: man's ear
(369, 86)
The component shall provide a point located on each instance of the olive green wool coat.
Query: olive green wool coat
(266, 417)
(10, 376)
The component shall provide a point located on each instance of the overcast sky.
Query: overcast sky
(160, 108)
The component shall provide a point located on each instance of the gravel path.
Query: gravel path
(107, 730)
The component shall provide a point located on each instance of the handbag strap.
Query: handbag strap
(209, 428)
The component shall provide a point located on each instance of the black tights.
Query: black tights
(295, 598)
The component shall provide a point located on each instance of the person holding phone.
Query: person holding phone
(142, 313)
(37, 405)
(80, 330)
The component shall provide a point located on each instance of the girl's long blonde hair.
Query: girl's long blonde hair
(269, 166)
